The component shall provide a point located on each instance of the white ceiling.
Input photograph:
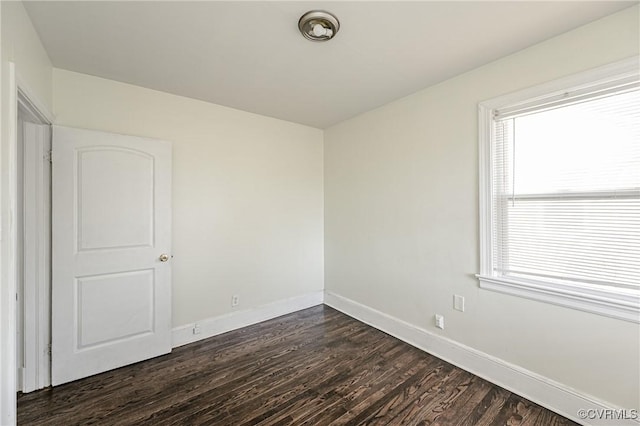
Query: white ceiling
(250, 55)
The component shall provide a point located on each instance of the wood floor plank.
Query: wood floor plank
(484, 413)
(515, 411)
(471, 393)
(266, 382)
(392, 403)
(330, 373)
(313, 367)
(350, 391)
(427, 404)
(268, 391)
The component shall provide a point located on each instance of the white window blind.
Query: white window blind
(565, 188)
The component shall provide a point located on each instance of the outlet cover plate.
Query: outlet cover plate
(439, 321)
(458, 302)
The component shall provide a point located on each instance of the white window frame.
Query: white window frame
(612, 302)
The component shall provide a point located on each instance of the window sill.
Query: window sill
(622, 304)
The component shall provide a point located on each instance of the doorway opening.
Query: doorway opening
(33, 242)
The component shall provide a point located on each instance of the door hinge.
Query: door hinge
(49, 349)
(48, 156)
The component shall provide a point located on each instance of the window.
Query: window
(560, 192)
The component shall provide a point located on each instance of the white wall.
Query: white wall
(19, 44)
(401, 220)
(247, 192)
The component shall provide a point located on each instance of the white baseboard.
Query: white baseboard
(534, 387)
(209, 327)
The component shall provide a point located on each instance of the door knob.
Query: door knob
(164, 257)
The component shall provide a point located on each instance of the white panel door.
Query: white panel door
(111, 245)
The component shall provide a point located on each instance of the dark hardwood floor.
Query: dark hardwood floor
(313, 367)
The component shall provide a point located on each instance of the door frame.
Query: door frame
(17, 87)
(36, 291)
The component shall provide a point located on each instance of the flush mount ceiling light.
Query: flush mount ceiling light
(318, 25)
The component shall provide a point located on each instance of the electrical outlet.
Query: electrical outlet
(440, 321)
(196, 328)
(235, 300)
(458, 302)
